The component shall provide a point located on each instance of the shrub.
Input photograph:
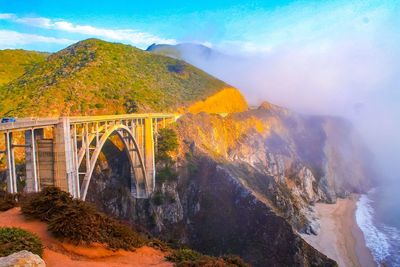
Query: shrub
(131, 106)
(190, 258)
(159, 244)
(45, 204)
(7, 201)
(15, 239)
(184, 254)
(235, 260)
(99, 105)
(117, 235)
(158, 198)
(78, 222)
(167, 141)
(165, 174)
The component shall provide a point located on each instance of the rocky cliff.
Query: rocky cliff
(246, 184)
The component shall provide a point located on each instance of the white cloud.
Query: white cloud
(131, 36)
(37, 22)
(6, 16)
(12, 39)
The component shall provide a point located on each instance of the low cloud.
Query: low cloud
(337, 59)
(13, 39)
(131, 36)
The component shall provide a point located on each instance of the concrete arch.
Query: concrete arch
(81, 153)
(104, 137)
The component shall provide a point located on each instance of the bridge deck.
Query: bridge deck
(38, 122)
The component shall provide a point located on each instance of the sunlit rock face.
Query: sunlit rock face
(227, 100)
(246, 183)
(289, 160)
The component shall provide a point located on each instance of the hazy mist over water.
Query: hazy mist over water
(337, 58)
(333, 58)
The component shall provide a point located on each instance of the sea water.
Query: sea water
(378, 216)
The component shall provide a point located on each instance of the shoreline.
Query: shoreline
(340, 238)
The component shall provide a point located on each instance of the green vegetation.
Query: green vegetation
(78, 222)
(160, 198)
(184, 254)
(167, 142)
(45, 205)
(165, 174)
(190, 258)
(14, 63)
(7, 201)
(98, 77)
(15, 239)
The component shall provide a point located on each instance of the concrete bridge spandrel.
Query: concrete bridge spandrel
(67, 159)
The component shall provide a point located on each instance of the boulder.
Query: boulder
(23, 258)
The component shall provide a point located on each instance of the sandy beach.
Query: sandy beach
(340, 238)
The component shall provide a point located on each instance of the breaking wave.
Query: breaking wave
(381, 239)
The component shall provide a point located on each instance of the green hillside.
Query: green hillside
(98, 77)
(13, 63)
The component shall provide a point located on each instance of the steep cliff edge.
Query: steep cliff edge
(246, 183)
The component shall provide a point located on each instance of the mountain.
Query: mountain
(14, 63)
(98, 77)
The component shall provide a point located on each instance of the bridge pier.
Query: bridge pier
(11, 173)
(32, 181)
(138, 180)
(149, 155)
(64, 158)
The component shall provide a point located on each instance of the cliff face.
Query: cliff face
(218, 103)
(286, 160)
(246, 184)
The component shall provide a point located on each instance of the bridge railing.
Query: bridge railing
(37, 122)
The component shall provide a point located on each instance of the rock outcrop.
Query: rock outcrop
(23, 258)
(246, 184)
(218, 103)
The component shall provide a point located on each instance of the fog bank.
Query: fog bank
(335, 59)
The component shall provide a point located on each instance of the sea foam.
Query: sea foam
(381, 239)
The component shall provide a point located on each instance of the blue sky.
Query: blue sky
(54, 24)
(338, 57)
(245, 25)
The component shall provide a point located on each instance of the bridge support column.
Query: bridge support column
(149, 155)
(138, 181)
(11, 173)
(32, 181)
(64, 169)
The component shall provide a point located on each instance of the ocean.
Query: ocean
(378, 216)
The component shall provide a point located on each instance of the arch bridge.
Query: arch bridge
(63, 151)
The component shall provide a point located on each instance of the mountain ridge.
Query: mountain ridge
(97, 77)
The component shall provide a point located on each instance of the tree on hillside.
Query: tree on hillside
(167, 142)
(131, 106)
